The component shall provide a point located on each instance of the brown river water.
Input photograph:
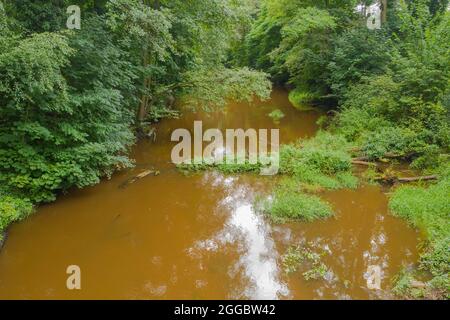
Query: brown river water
(174, 236)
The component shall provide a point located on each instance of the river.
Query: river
(176, 236)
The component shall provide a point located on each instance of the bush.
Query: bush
(322, 161)
(12, 209)
(396, 140)
(358, 53)
(353, 123)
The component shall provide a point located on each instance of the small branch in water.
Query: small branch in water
(137, 177)
(362, 162)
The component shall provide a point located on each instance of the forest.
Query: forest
(74, 102)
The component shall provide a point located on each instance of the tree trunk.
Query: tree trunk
(144, 101)
(383, 11)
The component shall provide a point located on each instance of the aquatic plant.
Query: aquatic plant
(297, 257)
(276, 115)
(290, 203)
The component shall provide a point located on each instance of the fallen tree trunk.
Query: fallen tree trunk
(387, 155)
(363, 163)
(139, 176)
(421, 178)
(393, 179)
(361, 159)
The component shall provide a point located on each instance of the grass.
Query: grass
(290, 203)
(230, 168)
(428, 208)
(301, 99)
(320, 162)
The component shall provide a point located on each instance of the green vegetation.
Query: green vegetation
(276, 115)
(301, 257)
(390, 94)
(73, 101)
(428, 208)
(227, 166)
(290, 203)
(320, 162)
(12, 210)
(301, 99)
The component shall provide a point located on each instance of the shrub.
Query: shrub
(12, 209)
(397, 140)
(353, 123)
(321, 161)
(358, 52)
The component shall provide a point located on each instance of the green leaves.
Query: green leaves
(358, 53)
(12, 209)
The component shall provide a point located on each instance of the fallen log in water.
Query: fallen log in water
(362, 162)
(421, 178)
(387, 155)
(393, 179)
(137, 177)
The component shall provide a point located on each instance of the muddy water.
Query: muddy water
(198, 237)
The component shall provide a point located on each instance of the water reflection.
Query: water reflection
(252, 234)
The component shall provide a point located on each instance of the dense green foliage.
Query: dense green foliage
(320, 162)
(12, 209)
(70, 100)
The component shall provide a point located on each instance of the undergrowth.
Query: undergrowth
(289, 203)
(12, 209)
(428, 208)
